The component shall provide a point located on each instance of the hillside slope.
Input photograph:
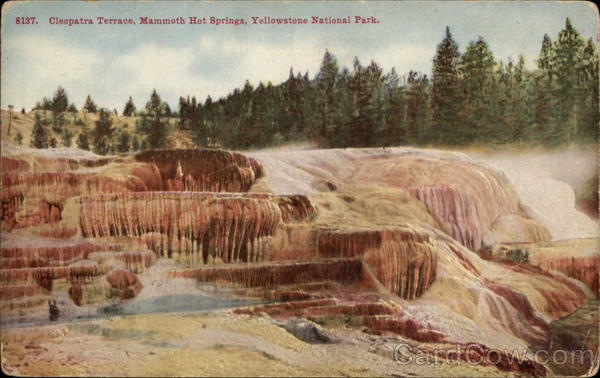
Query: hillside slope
(77, 123)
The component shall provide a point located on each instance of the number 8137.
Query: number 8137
(25, 20)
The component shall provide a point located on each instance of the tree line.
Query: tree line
(470, 98)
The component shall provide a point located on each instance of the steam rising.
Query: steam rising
(546, 182)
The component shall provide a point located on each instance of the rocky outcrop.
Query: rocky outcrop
(44, 276)
(465, 198)
(53, 255)
(19, 291)
(133, 261)
(407, 269)
(400, 225)
(270, 275)
(306, 331)
(199, 226)
(582, 268)
(455, 212)
(203, 170)
(126, 283)
(403, 326)
(578, 259)
(30, 199)
(22, 160)
(30, 268)
(402, 260)
(33, 196)
(13, 165)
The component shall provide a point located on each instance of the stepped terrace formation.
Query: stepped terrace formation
(421, 244)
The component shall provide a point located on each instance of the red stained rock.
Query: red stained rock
(203, 170)
(290, 296)
(403, 326)
(354, 309)
(347, 244)
(127, 283)
(522, 304)
(269, 275)
(287, 308)
(230, 227)
(456, 213)
(295, 208)
(561, 304)
(76, 294)
(59, 233)
(584, 268)
(464, 261)
(300, 254)
(46, 275)
(51, 255)
(13, 164)
(402, 260)
(36, 198)
(8, 292)
(150, 176)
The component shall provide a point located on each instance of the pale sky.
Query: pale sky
(113, 62)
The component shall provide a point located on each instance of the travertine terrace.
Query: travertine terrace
(405, 241)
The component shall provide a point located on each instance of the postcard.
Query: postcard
(299, 188)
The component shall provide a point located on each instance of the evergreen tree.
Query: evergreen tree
(183, 111)
(23, 111)
(135, 143)
(545, 109)
(326, 81)
(311, 120)
(546, 57)
(39, 134)
(67, 137)
(192, 118)
(53, 142)
(58, 121)
(103, 133)
(153, 125)
(447, 99)
(46, 104)
(60, 102)
(90, 106)
(418, 128)
(292, 124)
(18, 138)
(516, 112)
(567, 52)
(123, 142)
(477, 69)
(72, 108)
(358, 127)
(129, 109)
(345, 111)
(82, 141)
(588, 118)
(394, 131)
(366, 84)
